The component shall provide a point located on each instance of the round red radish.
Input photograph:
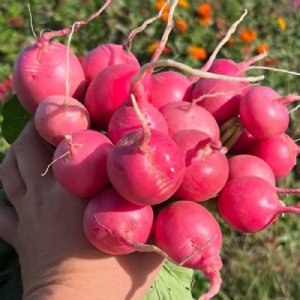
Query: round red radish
(169, 86)
(186, 229)
(206, 168)
(108, 90)
(263, 112)
(109, 218)
(146, 172)
(225, 104)
(280, 153)
(184, 115)
(40, 71)
(58, 116)
(125, 119)
(106, 55)
(250, 204)
(80, 162)
(250, 165)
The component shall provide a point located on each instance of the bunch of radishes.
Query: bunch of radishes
(130, 140)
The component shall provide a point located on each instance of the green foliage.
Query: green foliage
(173, 282)
(14, 119)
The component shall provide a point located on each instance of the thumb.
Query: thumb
(8, 222)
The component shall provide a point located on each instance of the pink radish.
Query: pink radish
(109, 89)
(169, 86)
(58, 116)
(250, 204)
(79, 162)
(125, 119)
(106, 55)
(41, 69)
(185, 229)
(145, 166)
(206, 169)
(250, 165)
(263, 112)
(146, 170)
(109, 218)
(184, 115)
(280, 153)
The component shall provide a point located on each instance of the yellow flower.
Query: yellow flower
(165, 16)
(281, 23)
(248, 35)
(205, 21)
(183, 3)
(261, 48)
(197, 53)
(181, 25)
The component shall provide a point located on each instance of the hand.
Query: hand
(45, 227)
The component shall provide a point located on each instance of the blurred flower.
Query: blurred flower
(159, 5)
(245, 51)
(197, 53)
(220, 22)
(281, 23)
(204, 11)
(16, 21)
(153, 46)
(270, 62)
(231, 41)
(181, 25)
(183, 3)
(261, 48)
(6, 86)
(296, 3)
(165, 16)
(247, 35)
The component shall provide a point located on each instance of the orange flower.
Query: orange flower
(231, 41)
(165, 16)
(197, 53)
(183, 3)
(182, 25)
(247, 35)
(261, 48)
(204, 10)
(159, 5)
(153, 46)
(281, 23)
(205, 21)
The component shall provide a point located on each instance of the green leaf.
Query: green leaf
(15, 118)
(172, 283)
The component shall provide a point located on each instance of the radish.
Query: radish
(106, 55)
(109, 218)
(191, 236)
(279, 152)
(169, 86)
(219, 97)
(250, 165)
(146, 166)
(184, 115)
(41, 69)
(58, 116)
(263, 101)
(206, 169)
(108, 90)
(79, 162)
(125, 120)
(250, 204)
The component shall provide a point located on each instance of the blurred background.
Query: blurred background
(261, 266)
